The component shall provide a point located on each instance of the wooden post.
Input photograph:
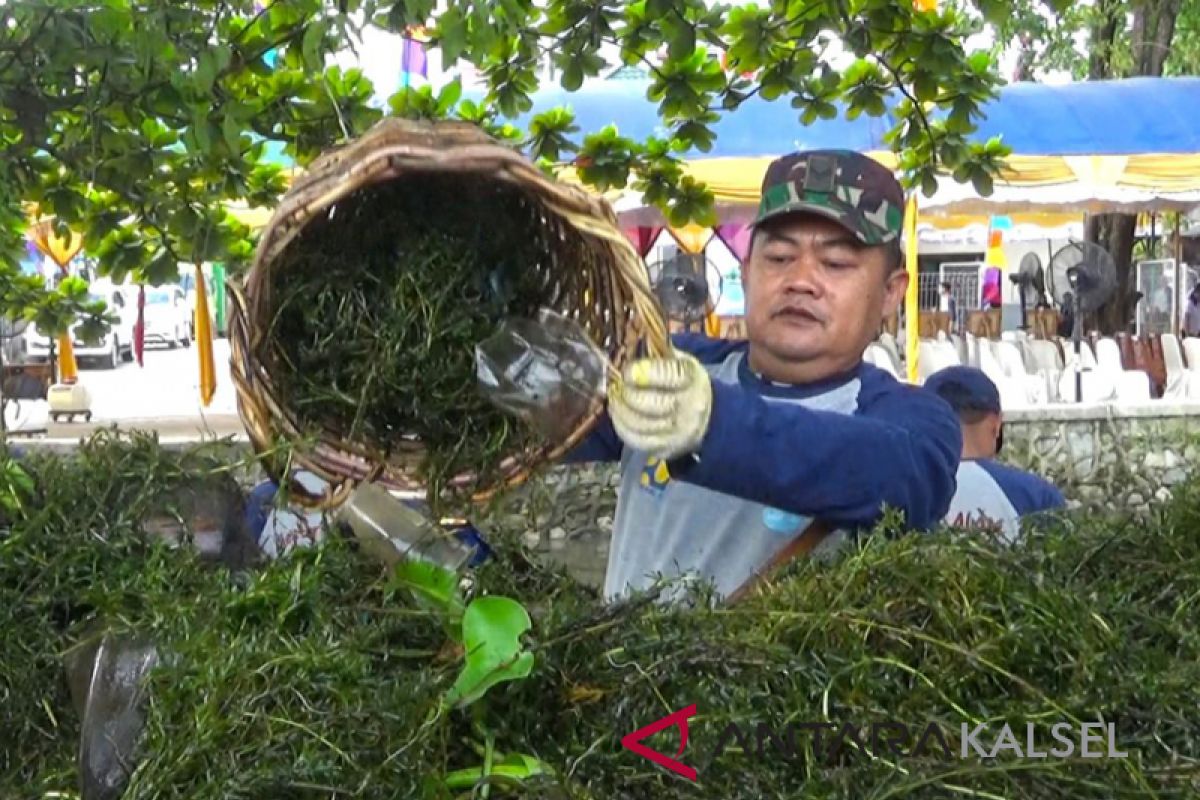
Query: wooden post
(1180, 294)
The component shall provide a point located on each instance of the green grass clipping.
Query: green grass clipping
(314, 676)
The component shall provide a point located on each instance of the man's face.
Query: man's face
(814, 294)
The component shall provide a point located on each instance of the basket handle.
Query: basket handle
(632, 270)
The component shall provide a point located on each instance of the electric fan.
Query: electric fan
(687, 285)
(1082, 277)
(1031, 285)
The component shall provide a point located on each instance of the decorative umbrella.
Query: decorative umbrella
(204, 341)
(60, 250)
(139, 328)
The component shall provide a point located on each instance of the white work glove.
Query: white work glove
(662, 405)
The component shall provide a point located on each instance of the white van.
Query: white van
(115, 346)
(168, 318)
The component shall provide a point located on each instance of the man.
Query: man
(948, 305)
(277, 530)
(730, 449)
(1191, 317)
(991, 495)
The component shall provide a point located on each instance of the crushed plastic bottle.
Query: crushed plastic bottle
(545, 371)
(106, 678)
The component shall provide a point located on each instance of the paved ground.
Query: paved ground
(163, 395)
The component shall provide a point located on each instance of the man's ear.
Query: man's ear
(895, 285)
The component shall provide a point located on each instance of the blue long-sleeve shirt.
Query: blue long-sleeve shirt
(774, 458)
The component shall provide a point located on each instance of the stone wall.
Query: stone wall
(1116, 457)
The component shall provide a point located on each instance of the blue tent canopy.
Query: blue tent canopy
(1125, 117)
(757, 128)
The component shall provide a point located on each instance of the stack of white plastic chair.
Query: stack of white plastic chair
(1043, 359)
(878, 355)
(1014, 393)
(888, 343)
(960, 346)
(1132, 385)
(1191, 352)
(934, 356)
(1013, 364)
(1097, 386)
(1179, 385)
(972, 347)
(1086, 354)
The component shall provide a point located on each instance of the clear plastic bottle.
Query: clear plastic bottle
(392, 532)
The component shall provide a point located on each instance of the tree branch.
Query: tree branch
(921, 117)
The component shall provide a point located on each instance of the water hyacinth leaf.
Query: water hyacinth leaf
(18, 483)
(514, 766)
(492, 630)
(431, 585)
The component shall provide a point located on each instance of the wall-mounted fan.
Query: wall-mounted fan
(1031, 285)
(1082, 277)
(687, 286)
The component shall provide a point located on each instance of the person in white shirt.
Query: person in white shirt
(1191, 317)
(947, 304)
(990, 496)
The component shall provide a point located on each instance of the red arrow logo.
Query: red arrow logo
(633, 741)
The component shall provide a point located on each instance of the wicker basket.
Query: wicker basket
(595, 274)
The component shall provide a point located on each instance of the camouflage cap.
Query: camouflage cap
(847, 187)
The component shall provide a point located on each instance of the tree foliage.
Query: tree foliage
(138, 121)
(1106, 39)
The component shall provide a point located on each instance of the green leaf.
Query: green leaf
(515, 766)
(929, 185)
(994, 11)
(200, 129)
(983, 184)
(683, 43)
(449, 95)
(17, 477)
(925, 87)
(310, 46)
(232, 132)
(206, 73)
(432, 586)
(452, 34)
(572, 76)
(492, 631)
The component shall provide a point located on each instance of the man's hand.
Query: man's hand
(662, 405)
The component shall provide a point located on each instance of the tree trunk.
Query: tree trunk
(1114, 232)
(1109, 19)
(1153, 31)
(1023, 71)
(1150, 43)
